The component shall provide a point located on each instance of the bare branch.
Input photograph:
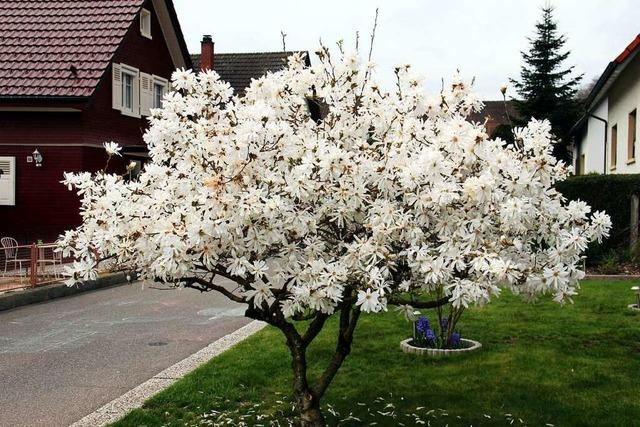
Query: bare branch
(314, 328)
(204, 285)
(373, 33)
(348, 321)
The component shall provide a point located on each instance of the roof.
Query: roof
(496, 114)
(41, 42)
(610, 74)
(239, 68)
(61, 48)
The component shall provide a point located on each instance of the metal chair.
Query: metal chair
(56, 259)
(10, 246)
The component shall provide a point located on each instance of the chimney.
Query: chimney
(206, 53)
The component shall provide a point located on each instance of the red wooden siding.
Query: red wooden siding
(71, 141)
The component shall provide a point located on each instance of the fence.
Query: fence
(32, 265)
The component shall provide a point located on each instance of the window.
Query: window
(152, 91)
(614, 146)
(158, 92)
(126, 89)
(145, 23)
(8, 181)
(581, 166)
(159, 89)
(631, 137)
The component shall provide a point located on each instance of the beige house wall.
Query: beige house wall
(624, 97)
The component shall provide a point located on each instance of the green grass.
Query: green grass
(577, 365)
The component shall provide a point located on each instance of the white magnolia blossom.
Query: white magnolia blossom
(112, 148)
(389, 193)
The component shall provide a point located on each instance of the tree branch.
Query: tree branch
(348, 321)
(314, 328)
(206, 285)
(419, 304)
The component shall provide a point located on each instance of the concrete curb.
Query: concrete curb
(18, 298)
(135, 397)
(613, 276)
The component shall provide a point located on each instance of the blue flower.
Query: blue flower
(455, 339)
(430, 335)
(422, 324)
(444, 323)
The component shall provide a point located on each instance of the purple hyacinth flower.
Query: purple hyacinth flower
(422, 324)
(444, 324)
(455, 339)
(430, 335)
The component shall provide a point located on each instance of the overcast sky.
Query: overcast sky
(482, 38)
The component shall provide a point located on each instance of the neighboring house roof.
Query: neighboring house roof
(608, 77)
(239, 68)
(612, 72)
(60, 49)
(495, 113)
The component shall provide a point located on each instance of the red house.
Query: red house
(72, 76)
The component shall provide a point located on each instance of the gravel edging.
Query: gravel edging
(135, 397)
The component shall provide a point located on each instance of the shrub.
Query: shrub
(609, 193)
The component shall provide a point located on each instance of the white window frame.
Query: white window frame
(145, 23)
(157, 80)
(134, 73)
(9, 180)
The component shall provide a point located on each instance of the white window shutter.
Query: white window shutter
(146, 94)
(8, 181)
(116, 86)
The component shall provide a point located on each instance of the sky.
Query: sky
(481, 38)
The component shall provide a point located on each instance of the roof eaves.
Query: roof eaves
(63, 98)
(176, 24)
(609, 71)
(628, 50)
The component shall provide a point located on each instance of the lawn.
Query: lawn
(577, 365)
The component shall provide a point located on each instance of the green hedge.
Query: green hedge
(609, 193)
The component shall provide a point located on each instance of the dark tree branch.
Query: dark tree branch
(348, 321)
(419, 304)
(204, 285)
(314, 328)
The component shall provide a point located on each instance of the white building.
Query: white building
(605, 137)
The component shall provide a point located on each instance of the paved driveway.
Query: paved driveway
(63, 359)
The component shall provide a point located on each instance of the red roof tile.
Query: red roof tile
(628, 50)
(41, 42)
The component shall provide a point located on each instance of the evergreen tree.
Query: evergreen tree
(546, 88)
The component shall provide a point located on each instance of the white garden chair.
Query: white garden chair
(10, 246)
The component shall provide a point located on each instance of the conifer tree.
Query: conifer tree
(547, 88)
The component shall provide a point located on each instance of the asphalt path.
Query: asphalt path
(62, 359)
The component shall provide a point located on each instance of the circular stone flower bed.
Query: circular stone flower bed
(466, 346)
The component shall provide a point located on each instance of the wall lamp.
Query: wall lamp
(37, 157)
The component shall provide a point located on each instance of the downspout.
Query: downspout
(606, 133)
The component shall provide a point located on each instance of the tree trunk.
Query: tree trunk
(308, 404)
(310, 413)
(307, 398)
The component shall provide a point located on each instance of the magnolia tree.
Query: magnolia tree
(386, 198)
